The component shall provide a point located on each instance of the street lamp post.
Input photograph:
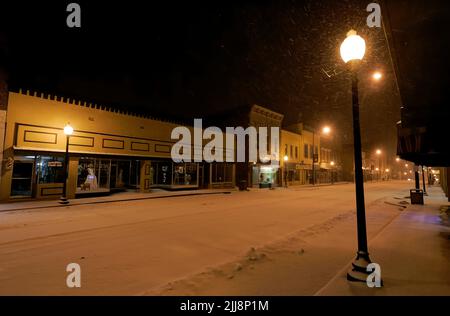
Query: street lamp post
(313, 159)
(423, 182)
(325, 130)
(378, 152)
(332, 171)
(68, 130)
(285, 158)
(352, 50)
(416, 176)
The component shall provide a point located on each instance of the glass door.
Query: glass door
(22, 178)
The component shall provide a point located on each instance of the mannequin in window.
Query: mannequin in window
(91, 180)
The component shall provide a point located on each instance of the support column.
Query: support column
(447, 178)
(72, 177)
(145, 176)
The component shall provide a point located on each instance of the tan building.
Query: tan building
(294, 169)
(297, 148)
(109, 151)
(300, 166)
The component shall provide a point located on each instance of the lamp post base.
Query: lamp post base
(359, 272)
(63, 200)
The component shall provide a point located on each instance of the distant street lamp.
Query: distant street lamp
(332, 171)
(379, 152)
(352, 50)
(68, 130)
(285, 158)
(326, 130)
(377, 76)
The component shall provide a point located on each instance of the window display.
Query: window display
(93, 175)
(100, 175)
(49, 169)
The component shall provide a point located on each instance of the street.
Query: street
(139, 247)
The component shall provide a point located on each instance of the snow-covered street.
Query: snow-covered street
(193, 245)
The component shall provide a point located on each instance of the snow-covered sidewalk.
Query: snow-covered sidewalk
(413, 252)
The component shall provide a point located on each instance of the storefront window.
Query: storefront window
(185, 174)
(93, 175)
(163, 173)
(99, 175)
(169, 173)
(50, 169)
(222, 172)
(267, 174)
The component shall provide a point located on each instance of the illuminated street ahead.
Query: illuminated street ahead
(138, 247)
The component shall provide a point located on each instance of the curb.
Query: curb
(113, 201)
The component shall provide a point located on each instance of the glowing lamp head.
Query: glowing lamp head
(285, 158)
(387, 170)
(377, 169)
(332, 163)
(397, 159)
(326, 130)
(378, 152)
(68, 130)
(377, 76)
(353, 47)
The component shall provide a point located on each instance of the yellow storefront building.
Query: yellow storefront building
(108, 151)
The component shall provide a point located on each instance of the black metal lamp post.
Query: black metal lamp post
(68, 130)
(416, 176)
(352, 51)
(285, 158)
(423, 181)
(325, 130)
(314, 159)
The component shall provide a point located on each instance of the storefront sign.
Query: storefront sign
(165, 174)
(54, 164)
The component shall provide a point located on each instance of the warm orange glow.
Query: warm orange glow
(353, 47)
(377, 75)
(68, 130)
(326, 130)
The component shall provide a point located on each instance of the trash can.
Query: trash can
(242, 185)
(416, 196)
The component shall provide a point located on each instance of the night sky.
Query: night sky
(186, 59)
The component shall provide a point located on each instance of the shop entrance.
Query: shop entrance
(22, 178)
